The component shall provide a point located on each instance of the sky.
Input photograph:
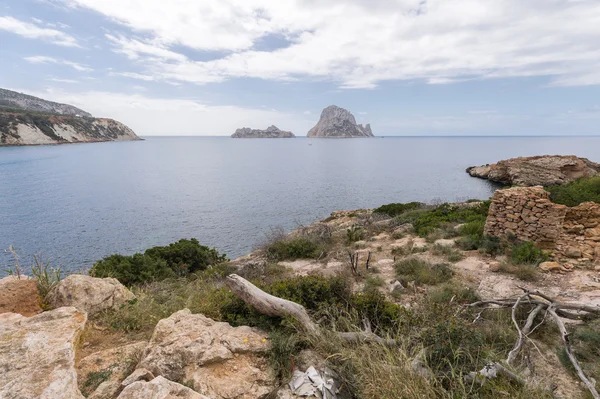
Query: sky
(407, 67)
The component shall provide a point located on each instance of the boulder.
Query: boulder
(159, 388)
(545, 170)
(115, 363)
(218, 360)
(19, 295)
(137, 375)
(107, 390)
(336, 122)
(37, 354)
(89, 294)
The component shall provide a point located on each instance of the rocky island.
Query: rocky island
(28, 120)
(336, 122)
(544, 170)
(272, 132)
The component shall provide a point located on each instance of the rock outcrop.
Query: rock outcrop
(22, 128)
(19, 295)
(159, 388)
(89, 294)
(545, 170)
(218, 360)
(13, 99)
(272, 132)
(336, 122)
(37, 354)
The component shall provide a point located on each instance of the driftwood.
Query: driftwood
(274, 306)
(551, 307)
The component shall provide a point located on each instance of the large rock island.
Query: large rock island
(336, 122)
(28, 120)
(272, 132)
(544, 170)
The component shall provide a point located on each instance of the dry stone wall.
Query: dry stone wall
(530, 215)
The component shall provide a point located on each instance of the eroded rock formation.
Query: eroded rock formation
(336, 122)
(89, 294)
(272, 132)
(545, 170)
(37, 354)
(19, 295)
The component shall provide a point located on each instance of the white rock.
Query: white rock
(159, 388)
(89, 294)
(37, 354)
(445, 242)
(221, 361)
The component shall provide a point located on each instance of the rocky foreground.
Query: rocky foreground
(545, 170)
(272, 132)
(336, 122)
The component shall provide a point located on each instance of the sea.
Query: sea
(75, 204)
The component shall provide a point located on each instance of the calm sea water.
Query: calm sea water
(74, 204)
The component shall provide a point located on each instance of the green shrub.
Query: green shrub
(574, 193)
(295, 247)
(313, 292)
(283, 347)
(527, 253)
(451, 254)
(158, 263)
(422, 272)
(457, 294)
(354, 233)
(396, 209)
(384, 316)
(428, 222)
(491, 245)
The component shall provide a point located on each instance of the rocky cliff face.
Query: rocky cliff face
(26, 128)
(545, 170)
(13, 99)
(272, 132)
(336, 122)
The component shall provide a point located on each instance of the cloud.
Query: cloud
(359, 43)
(60, 80)
(41, 59)
(33, 31)
(172, 117)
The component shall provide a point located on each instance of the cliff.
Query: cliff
(336, 122)
(272, 132)
(13, 99)
(28, 128)
(545, 170)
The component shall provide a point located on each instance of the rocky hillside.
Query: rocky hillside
(272, 132)
(336, 122)
(544, 170)
(13, 99)
(31, 128)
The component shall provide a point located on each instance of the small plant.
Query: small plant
(491, 246)
(284, 347)
(408, 249)
(94, 379)
(373, 282)
(45, 275)
(396, 209)
(525, 272)
(526, 253)
(16, 270)
(354, 233)
(447, 293)
(451, 254)
(422, 272)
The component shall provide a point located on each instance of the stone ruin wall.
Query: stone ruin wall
(530, 215)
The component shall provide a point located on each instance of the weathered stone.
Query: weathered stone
(19, 295)
(546, 170)
(89, 294)
(159, 388)
(445, 242)
(106, 390)
(37, 354)
(140, 374)
(572, 252)
(552, 267)
(221, 361)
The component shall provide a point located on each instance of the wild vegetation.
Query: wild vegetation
(573, 194)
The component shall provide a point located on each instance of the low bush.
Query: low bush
(422, 272)
(447, 293)
(396, 209)
(526, 253)
(574, 193)
(451, 254)
(428, 222)
(354, 233)
(525, 272)
(158, 263)
(491, 245)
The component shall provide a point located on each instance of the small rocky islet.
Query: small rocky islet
(67, 349)
(272, 132)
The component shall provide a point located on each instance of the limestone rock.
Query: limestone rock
(445, 242)
(272, 132)
(37, 354)
(555, 267)
(545, 170)
(159, 388)
(19, 295)
(107, 390)
(219, 360)
(336, 122)
(89, 294)
(140, 374)
(117, 363)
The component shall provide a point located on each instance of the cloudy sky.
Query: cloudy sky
(408, 67)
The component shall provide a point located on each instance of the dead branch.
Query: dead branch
(274, 306)
(512, 355)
